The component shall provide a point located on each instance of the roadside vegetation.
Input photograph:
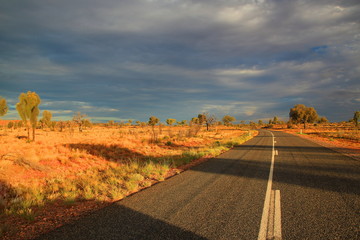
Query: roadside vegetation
(97, 163)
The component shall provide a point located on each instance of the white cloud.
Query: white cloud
(243, 110)
(297, 66)
(61, 111)
(239, 72)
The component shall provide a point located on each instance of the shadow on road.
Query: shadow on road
(305, 164)
(118, 222)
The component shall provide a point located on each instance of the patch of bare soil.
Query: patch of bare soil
(48, 218)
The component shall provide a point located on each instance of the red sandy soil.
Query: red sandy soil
(5, 122)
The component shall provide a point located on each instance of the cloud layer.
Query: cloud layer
(132, 59)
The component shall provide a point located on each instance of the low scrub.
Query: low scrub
(80, 171)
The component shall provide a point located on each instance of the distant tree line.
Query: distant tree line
(28, 110)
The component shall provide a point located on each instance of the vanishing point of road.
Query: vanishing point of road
(275, 186)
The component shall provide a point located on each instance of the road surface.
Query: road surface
(224, 198)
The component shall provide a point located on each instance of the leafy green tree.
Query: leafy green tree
(302, 114)
(227, 120)
(28, 109)
(356, 118)
(3, 106)
(260, 122)
(170, 121)
(153, 121)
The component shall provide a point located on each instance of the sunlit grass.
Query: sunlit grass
(101, 164)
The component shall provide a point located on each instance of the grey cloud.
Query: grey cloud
(156, 56)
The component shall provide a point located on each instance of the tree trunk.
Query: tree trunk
(33, 134)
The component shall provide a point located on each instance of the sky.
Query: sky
(131, 59)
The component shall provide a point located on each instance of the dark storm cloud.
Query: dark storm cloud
(132, 59)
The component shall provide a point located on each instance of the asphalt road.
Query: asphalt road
(320, 190)
(224, 198)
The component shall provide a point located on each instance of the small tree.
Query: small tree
(87, 123)
(20, 124)
(170, 121)
(28, 109)
(227, 120)
(10, 125)
(153, 121)
(182, 122)
(61, 125)
(111, 123)
(46, 118)
(207, 119)
(202, 118)
(195, 120)
(275, 120)
(302, 114)
(356, 118)
(79, 118)
(3, 107)
(323, 120)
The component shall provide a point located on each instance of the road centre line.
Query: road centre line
(263, 231)
(277, 217)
